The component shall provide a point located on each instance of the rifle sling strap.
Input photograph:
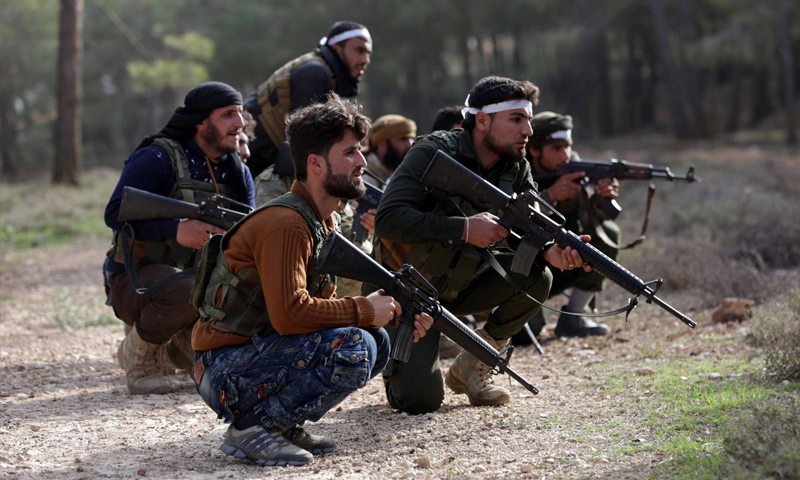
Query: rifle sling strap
(597, 224)
(449, 207)
(130, 267)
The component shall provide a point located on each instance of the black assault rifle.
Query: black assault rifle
(619, 169)
(142, 205)
(415, 295)
(367, 201)
(517, 213)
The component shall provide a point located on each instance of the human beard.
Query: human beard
(343, 185)
(214, 138)
(505, 152)
(392, 157)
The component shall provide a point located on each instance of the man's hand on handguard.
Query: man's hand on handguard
(607, 187)
(386, 309)
(565, 187)
(483, 230)
(566, 258)
(368, 220)
(194, 233)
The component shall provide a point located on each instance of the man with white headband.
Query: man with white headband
(549, 150)
(441, 234)
(337, 63)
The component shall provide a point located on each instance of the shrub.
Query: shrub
(777, 329)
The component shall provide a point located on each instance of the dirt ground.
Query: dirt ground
(65, 412)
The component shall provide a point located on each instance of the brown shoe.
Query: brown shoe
(448, 348)
(143, 368)
(470, 376)
(178, 351)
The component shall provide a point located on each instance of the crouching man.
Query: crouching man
(275, 347)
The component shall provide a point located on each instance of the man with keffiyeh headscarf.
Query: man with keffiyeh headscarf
(335, 65)
(191, 158)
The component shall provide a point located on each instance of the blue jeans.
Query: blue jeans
(288, 379)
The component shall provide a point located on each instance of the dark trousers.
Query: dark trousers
(416, 386)
(156, 317)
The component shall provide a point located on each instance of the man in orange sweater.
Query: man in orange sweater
(275, 347)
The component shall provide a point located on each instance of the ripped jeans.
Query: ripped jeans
(288, 379)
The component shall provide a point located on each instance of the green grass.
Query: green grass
(40, 214)
(73, 313)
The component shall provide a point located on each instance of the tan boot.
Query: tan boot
(141, 363)
(178, 350)
(470, 376)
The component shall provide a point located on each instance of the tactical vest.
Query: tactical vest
(450, 269)
(275, 96)
(170, 252)
(235, 303)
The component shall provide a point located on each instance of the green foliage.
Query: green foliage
(764, 442)
(776, 328)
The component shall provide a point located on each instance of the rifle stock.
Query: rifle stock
(341, 258)
(142, 205)
(447, 174)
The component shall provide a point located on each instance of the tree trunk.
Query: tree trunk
(8, 134)
(788, 72)
(672, 73)
(699, 126)
(68, 125)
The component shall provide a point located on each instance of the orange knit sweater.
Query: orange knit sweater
(278, 243)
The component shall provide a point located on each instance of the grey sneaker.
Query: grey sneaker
(315, 444)
(263, 446)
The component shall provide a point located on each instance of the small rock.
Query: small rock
(713, 376)
(141, 472)
(80, 468)
(423, 462)
(525, 468)
(480, 469)
(644, 371)
(35, 428)
(733, 310)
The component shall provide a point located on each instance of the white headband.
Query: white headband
(358, 32)
(561, 135)
(497, 107)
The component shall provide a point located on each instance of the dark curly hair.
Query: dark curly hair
(491, 90)
(316, 128)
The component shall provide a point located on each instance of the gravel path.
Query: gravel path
(65, 411)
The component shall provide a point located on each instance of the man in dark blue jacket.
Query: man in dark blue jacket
(335, 65)
(191, 158)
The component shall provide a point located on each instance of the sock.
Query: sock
(247, 420)
(579, 300)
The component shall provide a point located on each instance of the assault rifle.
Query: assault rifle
(142, 205)
(367, 201)
(517, 213)
(619, 169)
(415, 295)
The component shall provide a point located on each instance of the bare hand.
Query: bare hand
(566, 258)
(385, 308)
(422, 323)
(565, 187)
(368, 220)
(194, 233)
(483, 230)
(607, 187)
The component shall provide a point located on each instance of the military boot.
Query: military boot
(470, 376)
(178, 351)
(142, 365)
(577, 326)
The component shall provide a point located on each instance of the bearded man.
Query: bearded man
(191, 158)
(423, 228)
(276, 346)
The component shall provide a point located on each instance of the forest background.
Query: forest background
(116, 69)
